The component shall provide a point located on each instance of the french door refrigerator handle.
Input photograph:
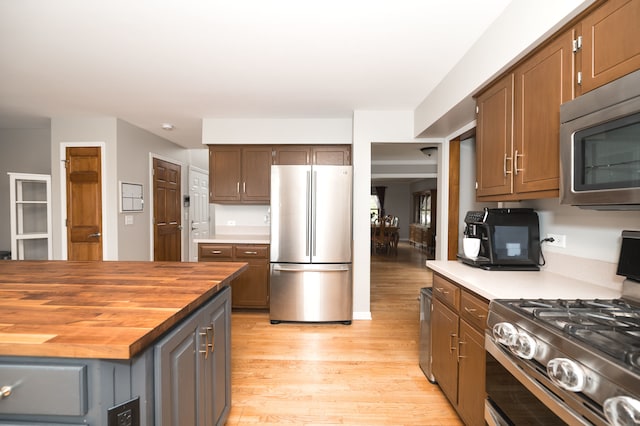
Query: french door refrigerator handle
(314, 211)
(308, 215)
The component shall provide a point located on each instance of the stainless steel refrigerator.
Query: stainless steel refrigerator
(311, 244)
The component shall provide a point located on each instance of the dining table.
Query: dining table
(389, 240)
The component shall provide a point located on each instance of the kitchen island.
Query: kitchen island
(101, 342)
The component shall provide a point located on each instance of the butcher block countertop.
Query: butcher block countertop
(110, 310)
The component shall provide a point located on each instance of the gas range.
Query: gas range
(579, 359)
(587, 351)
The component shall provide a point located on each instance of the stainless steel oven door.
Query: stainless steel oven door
(520, 394)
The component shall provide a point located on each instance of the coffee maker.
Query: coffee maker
(509, 239)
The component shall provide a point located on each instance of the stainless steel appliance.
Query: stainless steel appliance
(426, 295)
(509, 239)
(311, 244)
(600, 147)
(566, 361)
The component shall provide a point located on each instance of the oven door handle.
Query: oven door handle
(546, 397)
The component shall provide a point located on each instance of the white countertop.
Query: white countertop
(235, 239)
(520, 284)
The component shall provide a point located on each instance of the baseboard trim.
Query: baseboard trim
(362, 316)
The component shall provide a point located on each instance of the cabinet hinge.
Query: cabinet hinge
(476, 185)
(579, 77)
(66, 223)
(577, 44)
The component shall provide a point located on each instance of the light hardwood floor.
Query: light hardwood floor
(331, 374)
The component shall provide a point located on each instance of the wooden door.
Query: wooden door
(494, 139)
(84, 203)
(167, 224)
(444, 326)
(610, 47)
(542, 83)
(256, 174)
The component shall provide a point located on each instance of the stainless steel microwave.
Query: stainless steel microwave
(600, 147)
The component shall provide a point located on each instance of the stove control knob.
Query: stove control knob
(503, 332)
(622, 411)
(567, 374)
(523, 345)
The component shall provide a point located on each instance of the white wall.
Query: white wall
(276, 131)
(85, 130)
(522, 25)
(133, 165)
(368, 127)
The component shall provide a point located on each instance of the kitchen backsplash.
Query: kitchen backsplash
(240, 220)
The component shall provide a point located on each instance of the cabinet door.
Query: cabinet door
(216, 365)
(542, 83)
(331, 155)
(177, 393)
(494, 139)
(251, 288)
(256, 174)
(225, 173)
(292, 155)
(610, 43)
(471, 382)
(444, 329)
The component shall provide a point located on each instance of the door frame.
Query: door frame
(153, 155)
(106, 230)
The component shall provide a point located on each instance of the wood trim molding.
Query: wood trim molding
(454, 198)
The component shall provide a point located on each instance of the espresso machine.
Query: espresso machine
(509, 239)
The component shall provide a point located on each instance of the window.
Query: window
(374, 207)
(423, 207)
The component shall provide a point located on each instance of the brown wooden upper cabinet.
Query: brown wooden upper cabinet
(239, 174)
(337, 155)
(609, 43)
(518, 115)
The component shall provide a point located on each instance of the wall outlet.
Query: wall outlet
(558, 240)
(125, 414)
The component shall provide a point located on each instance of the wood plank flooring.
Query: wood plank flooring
(331, 374)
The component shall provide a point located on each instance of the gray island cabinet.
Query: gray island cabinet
(178, 374)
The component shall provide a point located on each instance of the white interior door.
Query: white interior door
(198, 209)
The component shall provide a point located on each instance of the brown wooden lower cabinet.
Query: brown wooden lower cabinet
(250, 290)
(458, 321)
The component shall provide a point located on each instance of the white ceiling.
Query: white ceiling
(154, 61)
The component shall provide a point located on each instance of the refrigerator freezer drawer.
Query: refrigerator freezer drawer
(311, 293)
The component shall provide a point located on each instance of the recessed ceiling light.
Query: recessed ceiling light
(167, 126)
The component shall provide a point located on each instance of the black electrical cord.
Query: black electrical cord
(544, 240)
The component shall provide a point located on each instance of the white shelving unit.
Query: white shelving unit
(30, 216)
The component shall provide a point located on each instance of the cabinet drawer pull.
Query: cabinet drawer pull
(504, 165)
(238, 187)
(441, 290)
(254, 253)
(460, 356)
(516, 162)
(216, 251)
(5, 392)
(472, 312)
